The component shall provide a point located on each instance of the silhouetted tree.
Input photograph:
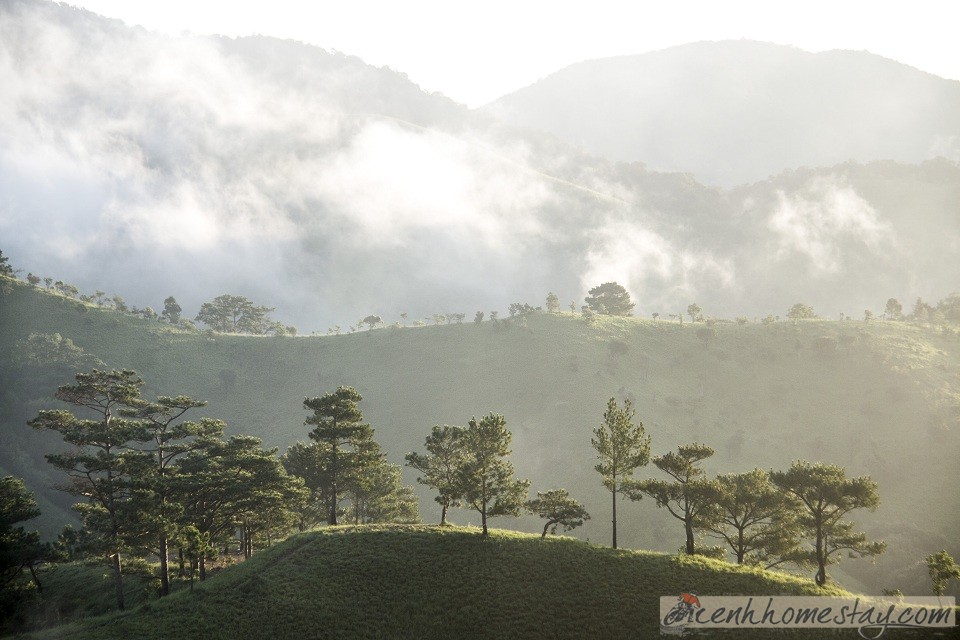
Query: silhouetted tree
(553, 302)
(485, 479)
(622, 447)
(690, 496)
(801, 311)
(19, 549)
(827, 495)
(694, 310)
(894, 310)
(338, 429)
(98, 466)
(308, 462)
(610, 299)
(171, 310)
(442, 464)
(942, 567)
(164, 443)
(235, 314)
(377, 493)
(5, 268)
(756, 520)
(558, 509)
(372, 321)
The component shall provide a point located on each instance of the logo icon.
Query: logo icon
(682, 613)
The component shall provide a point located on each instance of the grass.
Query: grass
(434, 582)
(879, 398)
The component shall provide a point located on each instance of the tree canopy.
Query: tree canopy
(610, 299)
(756, 520)
(942, 568)
(557, 508)
(19, 549)
(441, 465)
(622, 446)
(235, 314)
(826, 496)
(99, 467)
(690, 496)
(5, 268)
(801, 311)
(340, 432)
(486, 478)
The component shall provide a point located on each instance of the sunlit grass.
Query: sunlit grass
(434, 582)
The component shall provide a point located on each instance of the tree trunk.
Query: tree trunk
(118, 580)
(183, 572)
(614, 492)
(545, 527)
(203, 567)
(333, 485)
(821, 577)
(164, 567)
(688, 526)
(36, 580)
(483, 519)
(740, 552)
(443, 514)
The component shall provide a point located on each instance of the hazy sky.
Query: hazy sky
(476, 52)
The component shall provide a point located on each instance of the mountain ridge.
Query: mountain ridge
(694, 106)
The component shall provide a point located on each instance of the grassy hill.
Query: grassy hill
(879, 398)
(433, 582)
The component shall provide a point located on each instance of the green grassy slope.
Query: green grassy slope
(432, 582)
(878, 398)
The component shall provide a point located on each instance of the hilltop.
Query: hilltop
(737, 111)
(879, 398)
(433, 582)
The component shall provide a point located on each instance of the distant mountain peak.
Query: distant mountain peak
(737, 111)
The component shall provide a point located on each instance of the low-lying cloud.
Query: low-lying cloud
(151, 166)
(820, 220)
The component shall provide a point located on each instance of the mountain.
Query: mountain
(733, 112)
(308, 181)
(879, 398)
(435, 582)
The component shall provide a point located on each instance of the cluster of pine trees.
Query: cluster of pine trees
(766, 518)
(153, 484)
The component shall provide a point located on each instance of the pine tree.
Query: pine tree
(486, 478)
(338, 429)
(826, 496)
(622, 447)
(558, 509)
(689, 497)
(441, 465)
(99, 465)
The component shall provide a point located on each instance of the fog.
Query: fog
(148, 166)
